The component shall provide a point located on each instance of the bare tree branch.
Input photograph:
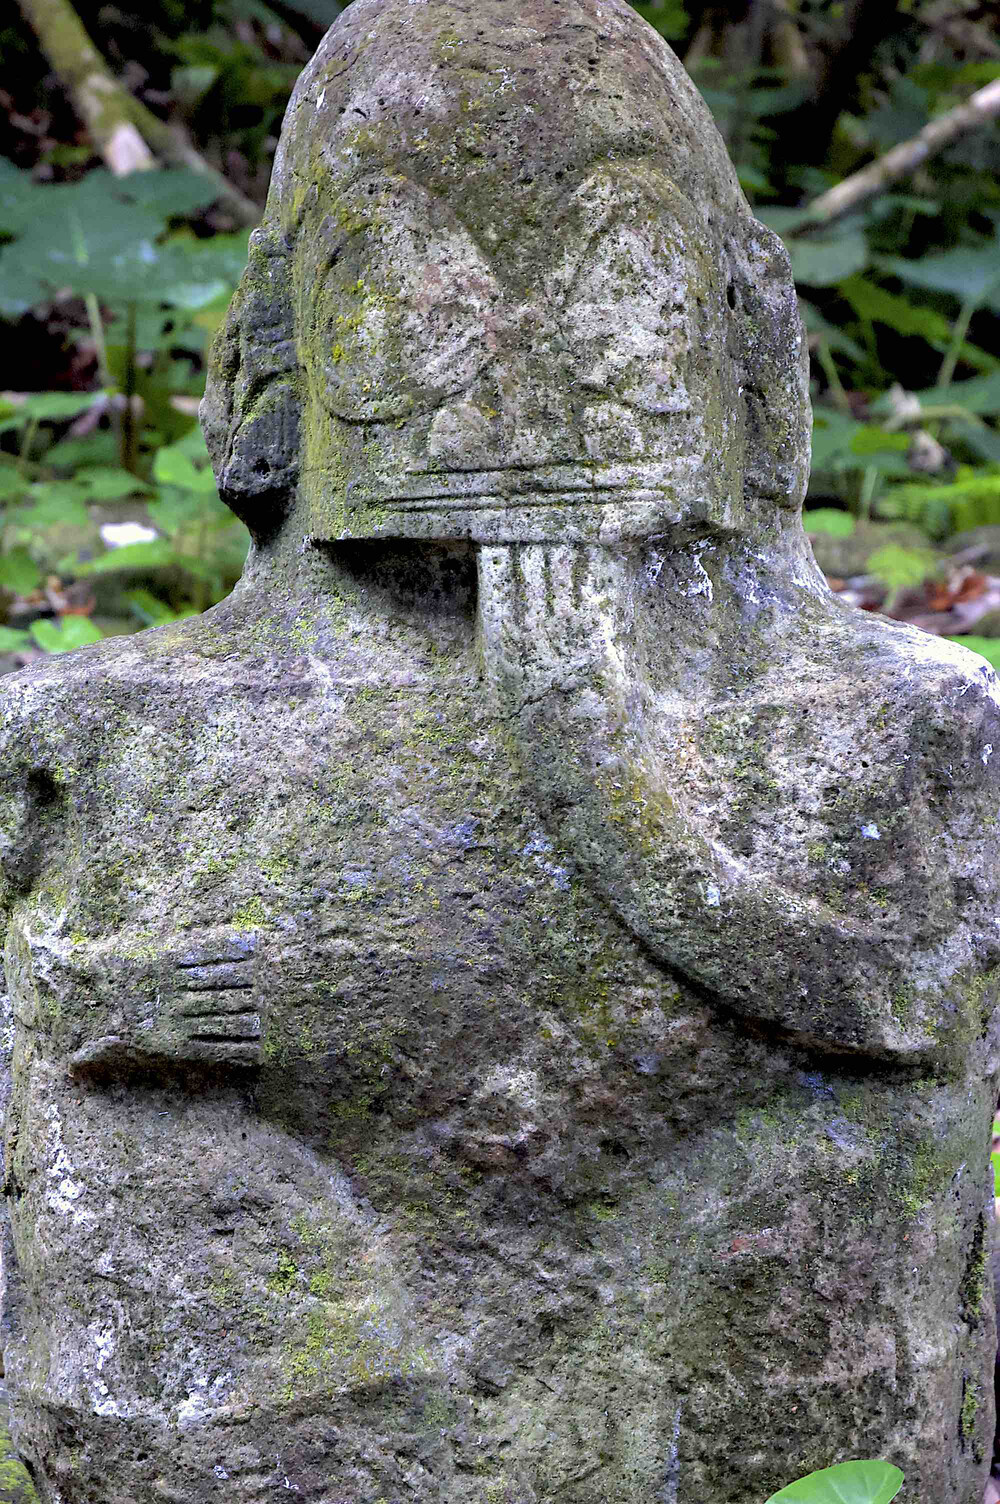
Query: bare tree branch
(788, 44)
(95, 94)
(122, 129)
(905, 158)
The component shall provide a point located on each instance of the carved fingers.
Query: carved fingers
(193, 1001)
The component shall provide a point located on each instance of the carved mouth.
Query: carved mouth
(533, 485)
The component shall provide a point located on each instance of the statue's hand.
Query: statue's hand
(207, 1012)
(122, 1004)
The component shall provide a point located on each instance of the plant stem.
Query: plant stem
(24, 456)
(869, 482)
(825, 357)
(128, 449)
(958, 334)
(97, 331)
(204, 597)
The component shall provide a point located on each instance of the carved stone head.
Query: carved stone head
(507, 289)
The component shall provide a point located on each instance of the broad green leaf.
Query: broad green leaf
(764, 102)
(974, 75)
(193, 445)
(836, 339)
(100, 236)
(980, 395)
(988, 648)
(193, 274)
(108, 483)
(967, 272)
(887, 204)
(98, 448)
(984, 440)
(19, 572)
(175, 510)
(828, 520)
(878, 306)
(53, 503)
(901, 568)
(72, 632)
(846, 1483)
(48, 407)
(17, 190)
(822, 261)
(898, 117)
(779, 218)
(55, 407)
(153, 612)
(153, 555)
(13, 484)
(172, 467)
(870, 439)
(170, 193)
(831, 436)
(12, 641)
(668, 16)
(189, 84)
(752, 181)
(842, 443)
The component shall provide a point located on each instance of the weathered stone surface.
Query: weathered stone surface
(503, 1007)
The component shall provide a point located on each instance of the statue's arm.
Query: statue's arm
(612, 775)
(110, 1003)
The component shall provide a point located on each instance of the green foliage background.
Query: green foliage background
(110, 289)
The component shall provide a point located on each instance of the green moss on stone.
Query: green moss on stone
(251, 916)
(16, 1486)
(969, 1427)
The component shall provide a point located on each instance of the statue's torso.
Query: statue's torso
(368, 1088)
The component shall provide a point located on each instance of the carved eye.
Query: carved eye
(404, 314)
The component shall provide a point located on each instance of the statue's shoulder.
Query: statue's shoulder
(69, 699)
(63, 717)
(66, 712)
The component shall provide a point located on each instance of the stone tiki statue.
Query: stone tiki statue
(501, 1008)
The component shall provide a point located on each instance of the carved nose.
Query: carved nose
(472, 435)
(465, 436)
(612, 432)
